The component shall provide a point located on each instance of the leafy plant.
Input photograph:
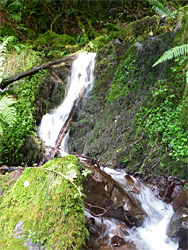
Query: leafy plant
(3, 50)
(159, 8)
(12, 141)
(162, 10)
(7, 112)
(174, 52)
(164, 122)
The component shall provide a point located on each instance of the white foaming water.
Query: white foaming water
(82, 75)
(152, 235)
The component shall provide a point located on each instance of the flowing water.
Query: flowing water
(152, 234)
(82, 75)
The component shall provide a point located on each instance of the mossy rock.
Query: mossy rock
(54, 40)
(141, 29)
(98, 43)
(62, 40)
(48, 205)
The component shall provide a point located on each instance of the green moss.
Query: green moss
(50, 208)
(98, 43)
(54, 40)
(141, 29)
(185, 109)
(62, 40)
(125, 77)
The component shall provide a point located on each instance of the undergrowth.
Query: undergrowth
(13, 137)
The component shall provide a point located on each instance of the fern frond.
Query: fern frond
(4, 44)
(159, 8)
(3, 49)
(7, 112)
(174, 52)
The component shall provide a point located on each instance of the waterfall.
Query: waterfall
(152, 235)
(82, 75)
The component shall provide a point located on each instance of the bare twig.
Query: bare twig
(160, 159)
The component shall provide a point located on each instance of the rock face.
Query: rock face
(106, 124)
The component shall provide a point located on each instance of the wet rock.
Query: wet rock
(165, 188)
(92, 228)
(181, 199)
(117, 241)
(106, 197)
(183, 244)
(127, 246)
(179, 224)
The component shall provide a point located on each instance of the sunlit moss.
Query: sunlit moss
(50, 207)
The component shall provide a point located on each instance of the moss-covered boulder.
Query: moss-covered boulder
(146, 27)
(54, 40)
(45, 205)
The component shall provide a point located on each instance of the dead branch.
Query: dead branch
(160, 159)
(65, 128)
(5, 168)
(6, 81)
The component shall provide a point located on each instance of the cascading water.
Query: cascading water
(82, 75)
(152, 234)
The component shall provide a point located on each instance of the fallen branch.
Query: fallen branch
(65, 128)
(5, 168)
(6, 81)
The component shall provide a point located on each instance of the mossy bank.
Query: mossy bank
(135, 116)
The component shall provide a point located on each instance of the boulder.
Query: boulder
(178, 226)
(107, 198)
(181, 199)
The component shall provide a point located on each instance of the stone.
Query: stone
(117, 241)
(178, 226)
(181, 199)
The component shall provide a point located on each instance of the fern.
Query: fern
(3, 50)
(159, 8)
(7, 112)
(174, 52)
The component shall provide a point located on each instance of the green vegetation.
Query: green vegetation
(48, 204)
(45, 205)
(3, 50)
(125, 77)
(7, 113)
(165, 122)
(12, 141)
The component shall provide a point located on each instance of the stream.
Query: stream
(151, 235)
